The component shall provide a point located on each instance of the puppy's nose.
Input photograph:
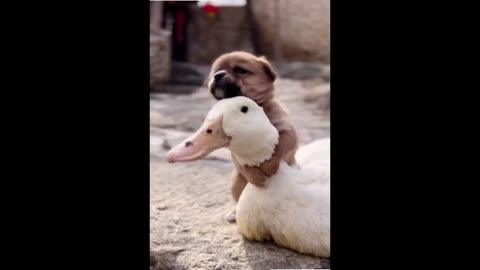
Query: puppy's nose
(220, 74)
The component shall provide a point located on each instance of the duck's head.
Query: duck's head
(238, 124)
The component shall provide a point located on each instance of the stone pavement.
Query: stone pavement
(188, 201)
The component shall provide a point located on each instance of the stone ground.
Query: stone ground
(188, 201)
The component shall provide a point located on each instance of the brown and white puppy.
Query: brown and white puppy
(243, 74)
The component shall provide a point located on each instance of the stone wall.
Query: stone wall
(209, 37)
(302, 31)
(160, 58)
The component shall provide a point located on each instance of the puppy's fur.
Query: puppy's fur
(241, 73)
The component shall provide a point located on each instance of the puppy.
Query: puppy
(243, 74)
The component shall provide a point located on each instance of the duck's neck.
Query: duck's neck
(257, 152)
(255, 142)
(254, 157)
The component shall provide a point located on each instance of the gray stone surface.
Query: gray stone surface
(189, 74)
(303, 70)
(208, 37)
(160, 54)
(188, 201)
(300, 33)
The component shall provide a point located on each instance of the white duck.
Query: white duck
(293, 207)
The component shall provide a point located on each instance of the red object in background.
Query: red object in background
(180, 25)
(211, 10)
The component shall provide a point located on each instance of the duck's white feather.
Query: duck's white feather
(314, 153)
(293, 208)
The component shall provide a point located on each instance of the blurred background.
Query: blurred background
(196, 32)
(189, 200)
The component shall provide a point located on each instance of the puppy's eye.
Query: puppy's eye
(239, 70)
(244, 109)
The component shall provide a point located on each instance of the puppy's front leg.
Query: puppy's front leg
(285, 150)
(255, 175)
(238, 184)
(251, 174)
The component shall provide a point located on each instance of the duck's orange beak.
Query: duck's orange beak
(208, 138)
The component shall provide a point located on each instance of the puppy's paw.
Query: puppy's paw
(255, 175)
(270, 167)
(231, 217)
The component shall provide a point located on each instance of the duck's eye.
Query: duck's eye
(240, 71)
(244, 109)
(209, 131)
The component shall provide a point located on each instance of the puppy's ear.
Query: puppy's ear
(268, 68)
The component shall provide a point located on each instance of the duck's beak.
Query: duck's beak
(207, 139)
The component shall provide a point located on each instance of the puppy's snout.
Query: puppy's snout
(219, 75)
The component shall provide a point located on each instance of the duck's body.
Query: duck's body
(293, 209)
